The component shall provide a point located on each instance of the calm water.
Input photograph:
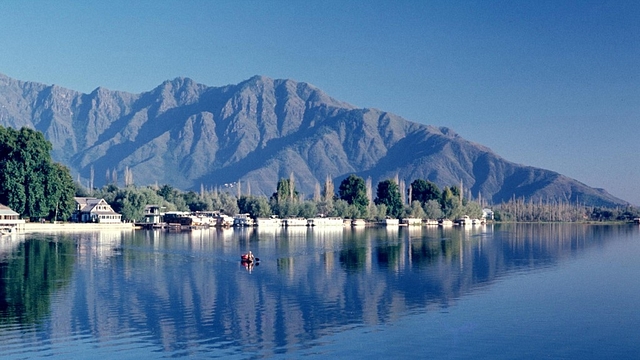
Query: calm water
(495, 292)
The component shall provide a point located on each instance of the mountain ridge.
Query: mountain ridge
(258, 131)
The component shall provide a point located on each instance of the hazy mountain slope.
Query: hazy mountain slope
(188, 134)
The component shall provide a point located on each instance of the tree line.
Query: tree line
(38, 188)
(353, 199)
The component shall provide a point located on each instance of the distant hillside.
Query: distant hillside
(188, 134)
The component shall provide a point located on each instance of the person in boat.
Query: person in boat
(249, 257)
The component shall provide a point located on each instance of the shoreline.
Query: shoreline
(49, 227)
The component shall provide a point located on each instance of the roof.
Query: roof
(87, 205)
(5, 210)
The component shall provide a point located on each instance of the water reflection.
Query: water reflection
(187, 292)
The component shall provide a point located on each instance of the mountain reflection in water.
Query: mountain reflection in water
(186, 293)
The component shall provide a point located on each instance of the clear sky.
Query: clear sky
(553, 84)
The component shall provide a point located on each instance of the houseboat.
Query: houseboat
(272, 221)
(412, 221)
(295, 221)
(325, 221)
(391, 222)
(242, 220)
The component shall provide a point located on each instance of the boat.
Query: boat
(325, 221)
(248, 258)
(445, 222)
(295, 221)
(242, 220)
(412, 221)
(270, 221)
(6, 231)
(391, 222)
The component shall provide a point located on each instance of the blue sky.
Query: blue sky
(552, 84)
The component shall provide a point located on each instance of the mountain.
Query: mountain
(191, 135)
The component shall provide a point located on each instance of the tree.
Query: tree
(30, 182)
(254, 206)
(448, 201)
(59, 190)
(433, 209)
(353, 190)
(388, 194)
(283, 200)
(423, 191)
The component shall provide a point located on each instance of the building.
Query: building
(152, 215)
(93, 210)
(487, 214)
(10, 218)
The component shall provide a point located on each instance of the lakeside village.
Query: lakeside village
(96, 214)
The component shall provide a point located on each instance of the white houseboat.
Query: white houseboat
(272, 221)
(295, 221)
(325, 221)
(242, 220)
(412, 221)
(391, 222)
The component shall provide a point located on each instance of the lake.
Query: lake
(511, 291)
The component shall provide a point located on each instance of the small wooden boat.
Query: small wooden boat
(248, 258)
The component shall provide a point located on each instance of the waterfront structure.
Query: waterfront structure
(412, 221)
(325, 221)
(95, 210)
(152, 215)
(10, 219)
(295, 221)
(465, 220)
(487, 214)
(270, 221)
(242, 220)
(391, 222)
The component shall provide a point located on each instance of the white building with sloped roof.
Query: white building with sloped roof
(94, 210)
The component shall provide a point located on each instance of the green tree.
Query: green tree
(388, 194)
(30, 182)
(433, 209)
(59, 190)
(416, 210)
(353, 190)
(255, 206)
(283, 201)
(448, 202)
(423, 191)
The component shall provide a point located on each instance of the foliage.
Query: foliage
(416, 210)
(354, 191)
(256, 207)
(130, 202)
(423, 191)
(560, 211)
(30, 182)
(388, 194)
